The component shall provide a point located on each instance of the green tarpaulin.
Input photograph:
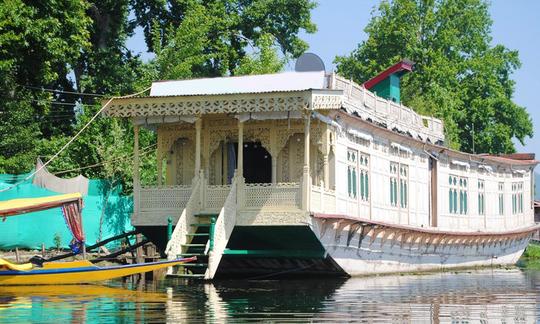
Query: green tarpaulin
(33, 229)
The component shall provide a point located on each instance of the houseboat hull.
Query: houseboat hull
(365, 248)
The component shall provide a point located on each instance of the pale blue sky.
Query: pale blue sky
(516, 24)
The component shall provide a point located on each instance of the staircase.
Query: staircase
(197, 240)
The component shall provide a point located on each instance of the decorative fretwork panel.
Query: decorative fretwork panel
(195, 105)
(268, 195)
(164, 198)
(215, 196)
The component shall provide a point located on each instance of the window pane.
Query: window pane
(405, 193)
(455, 201)
(450, 201)
(362, 189)
(353, 179)
(367, 186)
(349, 185)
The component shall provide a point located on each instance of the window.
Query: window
(357, 167)
(364, 176)
(399, 182)
(501, 198)
(457, 195)
(481, 198)
(352, 157)
(517, 198)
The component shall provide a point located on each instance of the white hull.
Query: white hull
(391, 251)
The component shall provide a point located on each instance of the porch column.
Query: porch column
(306, 178)
(240, 166)
(326, 166)
(274, 169)
(273, 150)
(159, 160)
(136, 177)
(198, 125)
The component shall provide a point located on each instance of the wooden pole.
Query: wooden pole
(306, 178)
(136, 179)
(198, 125)
(240, 167)
(17, 258)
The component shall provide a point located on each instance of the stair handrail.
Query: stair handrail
(179, 235)
(223, 227)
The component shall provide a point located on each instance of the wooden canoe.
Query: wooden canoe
(77, 272)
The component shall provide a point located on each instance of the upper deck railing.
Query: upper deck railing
(368, 105)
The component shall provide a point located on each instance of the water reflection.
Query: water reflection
(502, 296)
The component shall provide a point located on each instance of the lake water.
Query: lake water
(485, 296)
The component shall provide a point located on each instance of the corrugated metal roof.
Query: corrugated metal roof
(279, 82)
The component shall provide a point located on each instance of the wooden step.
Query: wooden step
(187, 275)
(206, 215)
(187, 255)
(195, 245)
(198, 234)
(195, 264)
(200, 225)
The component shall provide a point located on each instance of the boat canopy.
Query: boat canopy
(19, 206)
(71, 205)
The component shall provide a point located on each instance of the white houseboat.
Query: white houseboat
(311, 173)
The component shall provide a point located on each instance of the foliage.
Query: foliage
(78, 49)
(37, 43)
(211, 38)
(458, 75)
(57, 240)
(265, 60)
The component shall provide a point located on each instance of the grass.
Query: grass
(531, 257)
(532, 252)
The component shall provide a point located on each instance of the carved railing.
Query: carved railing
(322, 200)
(215, 196)
(193, 205)
(223, 228)
(163, 198)
(394, 115)
(272, 196)
(157, 203)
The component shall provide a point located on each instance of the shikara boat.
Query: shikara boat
(72, 272)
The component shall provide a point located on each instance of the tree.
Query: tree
(458, 75)
(77, 49)
(37, 43)
(194, 38)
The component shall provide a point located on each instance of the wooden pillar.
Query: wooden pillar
(326, 164)
(434, 192)
(306, 178)
(159, 165)
(136, 177)
(198, 125)
(273, 150)
(306, 143)
(240, 166)
(326, 171)
(274, 169)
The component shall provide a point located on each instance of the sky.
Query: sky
(516, 25)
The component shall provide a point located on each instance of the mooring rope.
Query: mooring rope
(72, 139)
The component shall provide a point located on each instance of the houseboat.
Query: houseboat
(309, 173)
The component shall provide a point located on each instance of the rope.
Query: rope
(144, 151)
(72, 139)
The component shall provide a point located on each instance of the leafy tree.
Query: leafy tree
(264, 59)
(458, 76)
(78, 49)
(211, 38)
(38, 42)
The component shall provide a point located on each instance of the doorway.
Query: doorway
(257, 163)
